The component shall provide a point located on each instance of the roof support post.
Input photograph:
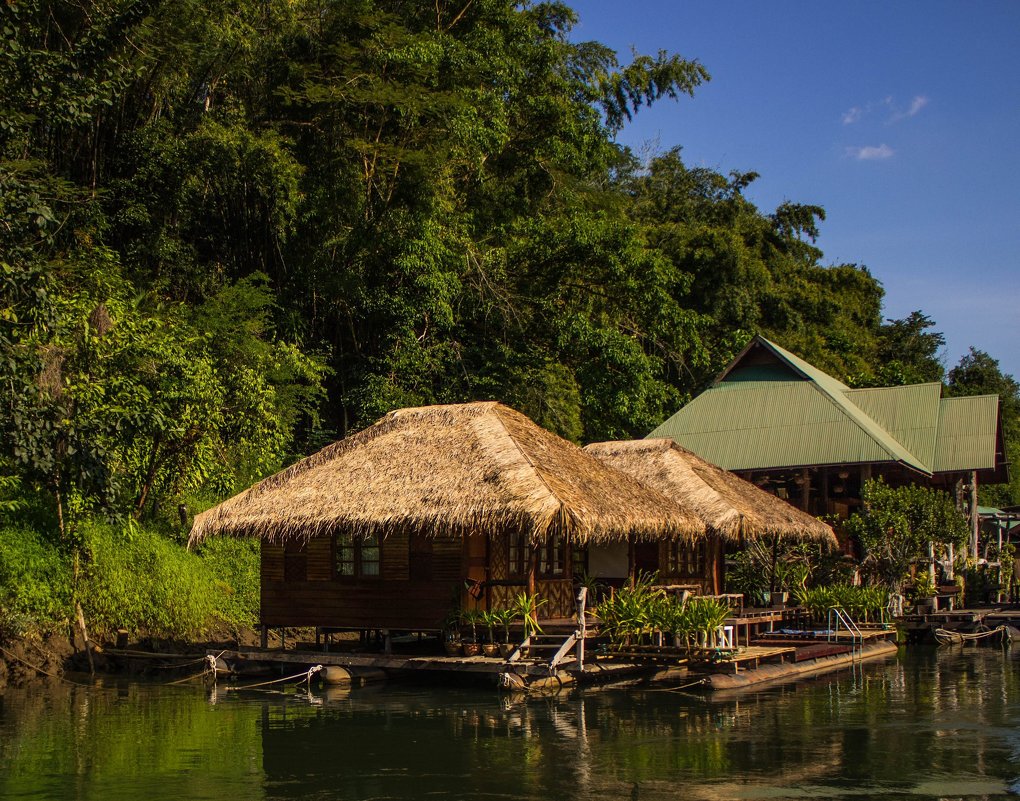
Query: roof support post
(805, 490)
(631, 567)
(532, 569)
(973, 515)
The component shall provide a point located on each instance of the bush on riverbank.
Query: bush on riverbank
(132, 577)
(35, 583)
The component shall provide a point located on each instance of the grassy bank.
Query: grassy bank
(133, 577)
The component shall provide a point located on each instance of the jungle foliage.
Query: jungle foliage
(230, 232)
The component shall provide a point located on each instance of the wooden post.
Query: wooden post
(825, 490)
(973, 515)
(805, 490)
(264, 636)
(533, 569)
(714, 547)
(631, 567)
(85, 638)
(582, 628)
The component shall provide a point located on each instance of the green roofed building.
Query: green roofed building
(788, 427)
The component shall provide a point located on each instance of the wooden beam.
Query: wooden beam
(974, 515)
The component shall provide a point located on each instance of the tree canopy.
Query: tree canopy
(232, 231)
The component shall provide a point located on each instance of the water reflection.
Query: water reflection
(928, 725)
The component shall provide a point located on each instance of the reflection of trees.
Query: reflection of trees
(61, 741)
(923, 718)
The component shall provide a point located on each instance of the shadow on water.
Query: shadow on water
(930, 724)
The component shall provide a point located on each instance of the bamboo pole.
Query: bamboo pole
(85, 638)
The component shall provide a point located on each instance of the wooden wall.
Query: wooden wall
(418, 577)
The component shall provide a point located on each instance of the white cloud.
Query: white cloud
(886, 105)
(870, 152)
(916, 105)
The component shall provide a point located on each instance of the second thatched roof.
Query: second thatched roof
(466, 468)
(727, 503)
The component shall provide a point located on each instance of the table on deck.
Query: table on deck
(750, 656)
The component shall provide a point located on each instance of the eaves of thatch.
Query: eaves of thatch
(729, 505)
(466, 469)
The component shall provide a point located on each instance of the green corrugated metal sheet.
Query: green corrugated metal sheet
(910, 414)
(750, 425)
(756, 420)
(966, 439)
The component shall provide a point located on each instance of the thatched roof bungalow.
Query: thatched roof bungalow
(380, 530)
(731, 507)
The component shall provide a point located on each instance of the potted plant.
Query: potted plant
(451, 634)
(471, 617)
(504, 617)
(526, 608)
(490, 619)
(924, 593)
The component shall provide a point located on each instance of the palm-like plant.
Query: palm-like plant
(526, 608)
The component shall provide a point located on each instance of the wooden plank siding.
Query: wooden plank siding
(418, 579)
(398, 598)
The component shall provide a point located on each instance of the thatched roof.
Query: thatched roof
(727, 503)
(465, 468)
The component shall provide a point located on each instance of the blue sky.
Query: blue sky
(901, 119)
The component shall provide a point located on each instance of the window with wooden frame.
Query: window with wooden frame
(578, 561)
(686, 559)
(359, 557)
(552, 558)
(517, 555)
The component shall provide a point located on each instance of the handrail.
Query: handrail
(838, 615)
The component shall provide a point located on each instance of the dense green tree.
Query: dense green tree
(748, 272)
(897, 524)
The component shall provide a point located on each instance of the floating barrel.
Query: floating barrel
(337, 676)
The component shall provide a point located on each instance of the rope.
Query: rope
(681, 687)
(306, 676)
(186, 680)
(40, 670)
(946, 637)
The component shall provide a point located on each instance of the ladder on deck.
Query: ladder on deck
(558, 648)
(838, 617)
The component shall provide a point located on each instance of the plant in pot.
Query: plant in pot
(526, 608)
(490, 619)
(451, 634)
(924, 592)
(472, 617)
(504, 617)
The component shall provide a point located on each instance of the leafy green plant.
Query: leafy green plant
(861, 603)
(924, 586)
(472, 617)
(898, 524)
(525, 608)
(503, 617)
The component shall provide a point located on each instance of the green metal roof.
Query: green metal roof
(910, 414)
(772, 409)
(967, 429)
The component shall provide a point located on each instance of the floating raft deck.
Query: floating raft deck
(967, 621)
(767, 659)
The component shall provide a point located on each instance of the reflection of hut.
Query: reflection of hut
(731, 508)
(383, 529)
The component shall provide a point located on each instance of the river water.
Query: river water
(927, 724)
